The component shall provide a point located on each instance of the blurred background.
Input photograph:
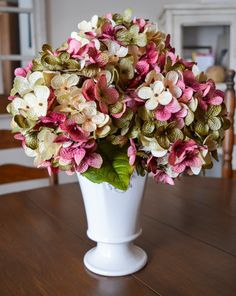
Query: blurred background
(203, 31)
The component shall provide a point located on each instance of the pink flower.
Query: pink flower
(164, 112)
(132, 151)
(179, 116)
(140, 22)
(88, 90)
(23, 71)
(81, 157)
(191, 81)
(148, 61)
(142, 67)
(133, 101)
(105, 95)
(210, 96)
(184, 155)
(76, 133)
(96, 57)
(163, 177)
(187, 95)
(108, 32)
(53, 117)
(75, 48)
(83, 161)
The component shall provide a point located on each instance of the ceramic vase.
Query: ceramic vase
(113, 218)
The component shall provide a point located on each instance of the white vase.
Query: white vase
(113, 218)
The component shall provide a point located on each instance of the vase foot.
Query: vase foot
(115, 259)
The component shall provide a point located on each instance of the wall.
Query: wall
(63, 16)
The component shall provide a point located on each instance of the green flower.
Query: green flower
(208, 121)
(132, 36)
(126, 68)
(167, 134)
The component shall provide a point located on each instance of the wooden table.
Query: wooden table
(189, 233)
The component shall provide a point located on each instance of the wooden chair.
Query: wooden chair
(10, 173)
(230, 137)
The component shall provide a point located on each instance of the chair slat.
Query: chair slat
(10, 173)
(3, 104)
(227, 169)
(7, 140)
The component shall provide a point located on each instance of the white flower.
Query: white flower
(155, 95)
(89, 118)
(90, 26)
(151, 145)
(114, 49)
(24, 85)
(32, 105)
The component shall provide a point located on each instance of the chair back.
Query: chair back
(230, 137)
(10, 173)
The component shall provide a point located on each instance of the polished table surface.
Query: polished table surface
(189, 233)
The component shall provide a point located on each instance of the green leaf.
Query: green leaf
(214, 123)
(115, 169)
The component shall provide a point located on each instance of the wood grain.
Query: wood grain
(228, 144)
(3, 104)
(188, 232)
(8, 141)
(16, 173)
(38, 256)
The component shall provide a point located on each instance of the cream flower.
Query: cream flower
(151, 145)
(89, 118)
(46, 147)
(114, 49)
(32, 105)
(62, 84)
(23, 85)
(155, 95)
(70, 102)
(90, 26)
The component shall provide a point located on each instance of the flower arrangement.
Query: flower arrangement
(113, 99)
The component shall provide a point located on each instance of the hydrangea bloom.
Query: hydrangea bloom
(113, 99)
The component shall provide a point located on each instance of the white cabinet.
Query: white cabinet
(201, 25)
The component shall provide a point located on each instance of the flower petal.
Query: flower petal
(95, 160)
(57, 81)
(151, 104)
(42, 92)
(79, 155)
(35, 77)
(164, 98)
(145, 92)
(172, 77)
(73, 79)
(158, 87)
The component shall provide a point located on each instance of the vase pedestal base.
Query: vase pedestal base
(115, 259)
